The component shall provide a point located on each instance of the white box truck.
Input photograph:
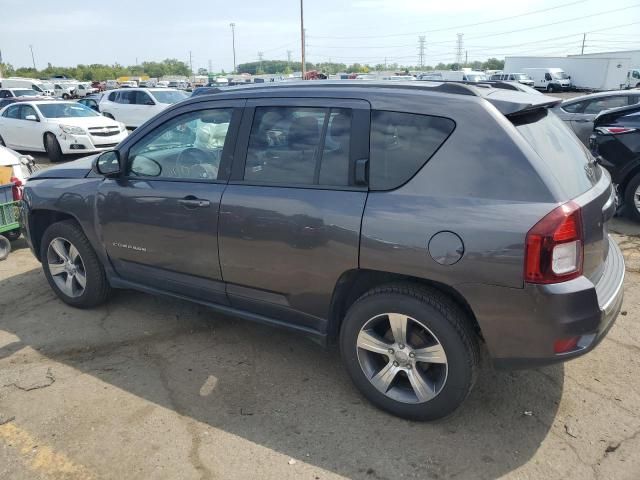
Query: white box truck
(587, 73)
(40, 86)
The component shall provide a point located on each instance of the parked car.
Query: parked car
(579, 112)
(549, 79)
(64, 90)
(354, 212)
(134, 106)
(17, 92)
(93, 102)
(615, 142)
(83, 89)
(162, 84)
(58, 128)
(514, 77)
(40, 87)
(8, 101)
(111, 84)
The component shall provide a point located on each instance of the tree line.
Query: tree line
(100, 72)
(172, 66)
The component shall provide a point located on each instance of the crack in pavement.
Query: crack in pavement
(47, 382)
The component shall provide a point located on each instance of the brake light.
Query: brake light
(614, 130)
(554, 248)
(16, 190)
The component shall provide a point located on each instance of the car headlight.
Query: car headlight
(71, 130)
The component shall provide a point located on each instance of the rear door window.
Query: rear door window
(299, 146)
(596, 106)
(401, 143)
(561, 151)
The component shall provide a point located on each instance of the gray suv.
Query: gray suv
(410, 224)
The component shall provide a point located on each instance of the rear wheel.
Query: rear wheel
(549, 88)
(632, 197)
(5, 247)
(410, 350)
(72, 267)
(51, 145)
(12, 235)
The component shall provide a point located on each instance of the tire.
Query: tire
(51, 145)
(549, 88)
(66, 96)
(61, 237)
(12, 235)
(431, 316)
(632, 198)
(5, 247)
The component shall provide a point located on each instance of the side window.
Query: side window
(511, 77)
(143, 98)
(596, 106)
(126, 97)
(401, 143)
(188, 147)
(573, 107)
(547, 76)
(633, 99)
(636, 74)
(26, 111)
(299, 146)
(12, 112)
(112, 96)
(4, 94)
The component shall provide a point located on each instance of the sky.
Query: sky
(69, 32)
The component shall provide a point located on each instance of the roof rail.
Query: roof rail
(457, 88)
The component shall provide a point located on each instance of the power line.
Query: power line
(469, 25)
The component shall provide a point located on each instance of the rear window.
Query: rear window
(560, 150)
(401, 143)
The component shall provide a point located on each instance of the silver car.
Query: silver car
(579, 112)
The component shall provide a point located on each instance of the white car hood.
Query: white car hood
(7, 158)
(85, 122)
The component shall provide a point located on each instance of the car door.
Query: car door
(28, 131)
(9, 126)
(144, 107)
(159, 219)
(290, 216)
(582, 123)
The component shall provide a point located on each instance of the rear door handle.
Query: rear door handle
(193, 202)
(582, 120)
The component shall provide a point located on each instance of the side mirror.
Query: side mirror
(108, 164)
(31, 118)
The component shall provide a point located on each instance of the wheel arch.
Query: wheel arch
(352, 284)
(633, 171)
(40, 220)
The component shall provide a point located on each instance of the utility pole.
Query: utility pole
(210, 66)
(33, 59)
(385, 63)
(302, 39)
(190, 66)
(260, 55)
(466, 57)
(233, 43)
(584, 37)
(421, 44)
(459, 49)
(289, 59)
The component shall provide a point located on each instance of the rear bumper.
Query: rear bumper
(521, 328)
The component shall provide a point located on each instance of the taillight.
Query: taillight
(554, 248)
(614, 130)
(16, 190)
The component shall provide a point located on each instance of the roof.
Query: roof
(609, 93)
(506, 101)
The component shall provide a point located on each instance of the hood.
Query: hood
(86, 122)
(76, 169)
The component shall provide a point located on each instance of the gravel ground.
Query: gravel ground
(155, 388)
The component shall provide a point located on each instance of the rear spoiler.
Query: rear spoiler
(614, 113)
(511, 103)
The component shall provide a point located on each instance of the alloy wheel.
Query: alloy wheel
(402, 358)
(636, 198)
(66, 267)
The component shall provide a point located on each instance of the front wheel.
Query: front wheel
(72, 267)
(410, 350)
(66, 96)
(632, 198)
(52, 146)
(5, 247)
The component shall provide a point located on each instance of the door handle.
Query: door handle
(582, 120)
(193, 202)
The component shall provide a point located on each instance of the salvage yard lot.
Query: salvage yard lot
(152, 387)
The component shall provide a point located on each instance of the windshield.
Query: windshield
(169, 96)
(66, 110)
(559, 75)
(475, 77)
(25, 92)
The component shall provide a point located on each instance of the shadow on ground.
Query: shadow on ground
(277, 389)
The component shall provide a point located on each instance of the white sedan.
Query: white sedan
(58, 128)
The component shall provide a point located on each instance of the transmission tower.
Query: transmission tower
(459, 49)
(260, 55)
(422, 40)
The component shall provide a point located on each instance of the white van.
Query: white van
(42, 88)
(549, 79)
(462, 76)
(633, 78)
(64, 89)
